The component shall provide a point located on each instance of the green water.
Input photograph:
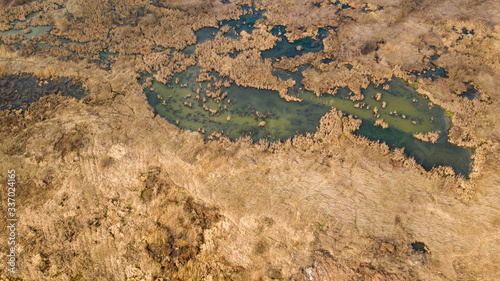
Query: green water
(441, 153)
(415, 108)
(262, 114)
(20, 91)
(35, 31)
(248, 107)
(405, 110)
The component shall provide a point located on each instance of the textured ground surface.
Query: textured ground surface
(107, 190)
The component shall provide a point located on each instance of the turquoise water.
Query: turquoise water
(245, 22)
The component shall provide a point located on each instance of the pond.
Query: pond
(35, 31)
(262, 114)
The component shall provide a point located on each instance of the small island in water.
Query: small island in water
(250, 140)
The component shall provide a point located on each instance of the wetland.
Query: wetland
(392, 112)
(18, 92)
(352, 139)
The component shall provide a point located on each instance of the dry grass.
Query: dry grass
(107, 191)
(134, 214)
